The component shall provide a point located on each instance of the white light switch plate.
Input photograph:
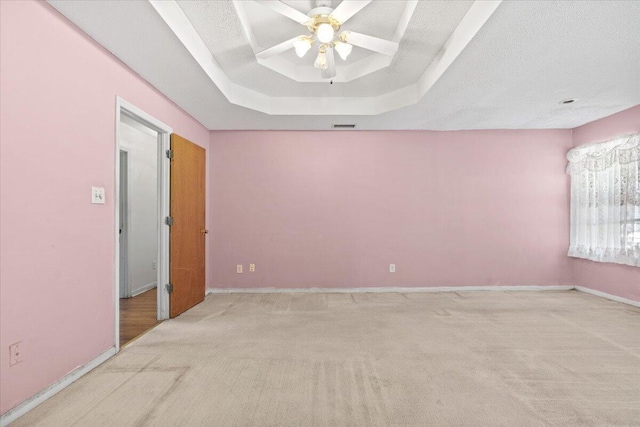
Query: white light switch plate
(15, 353)
(97, 195)
(392, 268)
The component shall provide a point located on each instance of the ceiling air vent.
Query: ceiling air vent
(344, 126)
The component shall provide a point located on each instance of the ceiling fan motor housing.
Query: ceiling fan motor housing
(321, 15)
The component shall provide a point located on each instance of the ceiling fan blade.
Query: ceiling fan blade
(347, 9)
(277, 49)
(330, 71)
(285, 10)
(372, 43)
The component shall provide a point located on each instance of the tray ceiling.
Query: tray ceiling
(264, 28)
(224, 43)
(460, 64)
(429, 28)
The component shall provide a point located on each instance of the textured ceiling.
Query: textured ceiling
(513, 73)
(431, 25)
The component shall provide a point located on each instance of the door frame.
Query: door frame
(124, 251)
(164, 142)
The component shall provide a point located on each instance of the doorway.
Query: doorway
(142, 238)
(138, 228)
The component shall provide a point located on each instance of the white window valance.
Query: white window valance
(605, 200)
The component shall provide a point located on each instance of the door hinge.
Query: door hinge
(168, 220)
(169, 288)
(170, 154)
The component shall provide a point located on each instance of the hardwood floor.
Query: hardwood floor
(137, 315)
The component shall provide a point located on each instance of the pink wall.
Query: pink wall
(58, 119)
(615, 279)
(334, 209)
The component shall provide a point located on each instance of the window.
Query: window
(605, 201)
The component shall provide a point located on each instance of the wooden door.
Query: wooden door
(187, 235)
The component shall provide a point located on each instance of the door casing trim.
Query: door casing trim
(126, 249)
(164, 165)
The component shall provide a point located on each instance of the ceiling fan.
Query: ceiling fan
(324, 24)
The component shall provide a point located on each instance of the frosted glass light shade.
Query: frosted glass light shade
(321, 61)
(302, 46)
(325, 33)
(343, 49)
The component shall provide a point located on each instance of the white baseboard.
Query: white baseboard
(608, 296)
(420, 289)
(144, 289)
(35, 400)
(384, 290)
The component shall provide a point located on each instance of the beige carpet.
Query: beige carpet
(415, 359)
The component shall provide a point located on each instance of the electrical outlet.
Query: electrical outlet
(252, 267)
(97, 195)
(153, 265)
(15, 353)
(239, 268)
(392, 268)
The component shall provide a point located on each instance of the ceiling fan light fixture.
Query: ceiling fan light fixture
(321, 61)
(302, 46)
(325, 33)
(324, 24)
(343, 49)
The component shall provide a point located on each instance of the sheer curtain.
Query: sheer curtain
(605, 201)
